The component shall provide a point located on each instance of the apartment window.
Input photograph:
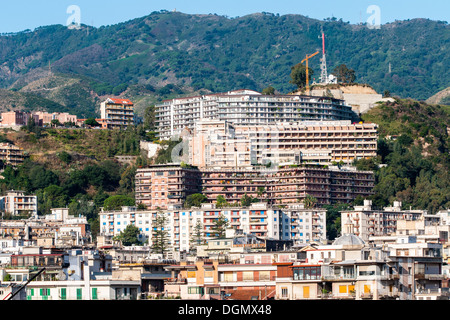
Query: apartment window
(63, 293)
(247, 275)
(94, 294)
(264, 275)
(228, 276)
(30, 294)
(79, 294)
(284, 292)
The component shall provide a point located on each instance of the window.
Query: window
(94, 294)
(264, 275)
(284, 292)
(195, 290)
(63, 293)
(247, 275)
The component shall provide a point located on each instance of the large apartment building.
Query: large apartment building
(116, 113)
(246, 107)
(162, 185)
(261, 220)
(167, 185)
(366, 221)
(220, 143)
(289, 184)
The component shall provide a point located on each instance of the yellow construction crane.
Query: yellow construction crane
(307, 70)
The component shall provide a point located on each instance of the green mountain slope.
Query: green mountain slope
(414, 147)
(190, 53)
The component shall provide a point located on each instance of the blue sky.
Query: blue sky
(18, 15)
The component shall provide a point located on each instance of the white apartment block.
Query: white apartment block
(300, 225)
(112, 223)
(303, 225)
(246, 107)
(222, 143)
(18, 203)
(364, 221)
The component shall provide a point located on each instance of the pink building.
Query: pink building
(15, 118)
(44, 118)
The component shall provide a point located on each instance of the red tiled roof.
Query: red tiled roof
(121, 101)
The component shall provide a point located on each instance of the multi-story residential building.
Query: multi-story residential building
(303, 225)
(45, 118)
(116, 113)
(112, 223)
(11, 154)
(246, 107)
(220, 143)
(18, 203)
(291, 223)
(350, 269)
(15, 118)
(164, 186)
(196, 280)
(366, 221)
(258, 220)
(288, 184)
(161, 186)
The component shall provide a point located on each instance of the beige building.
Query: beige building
(11, 154)
(365, 221)
(218, 143)
(116, 113)
(46, 118)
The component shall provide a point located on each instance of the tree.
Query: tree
(55, 123)
(197, 234)
(219, 227)
(129, 236)
(195, 200)
(246, 200)
(116, 202)
(260, 192)
(344, 74)
(310, 201)
(91, 122)
(221, 201)
(298, 75)
(268, 91)
(160, 236)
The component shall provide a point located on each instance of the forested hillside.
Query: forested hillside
(75, 168)
(414, 146)
(171, 53)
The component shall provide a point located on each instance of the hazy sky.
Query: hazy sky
(18, 15)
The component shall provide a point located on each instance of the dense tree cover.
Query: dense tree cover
(62, 181)
(413, 162)
(214, 53)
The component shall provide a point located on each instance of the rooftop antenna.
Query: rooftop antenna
(323, 66)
